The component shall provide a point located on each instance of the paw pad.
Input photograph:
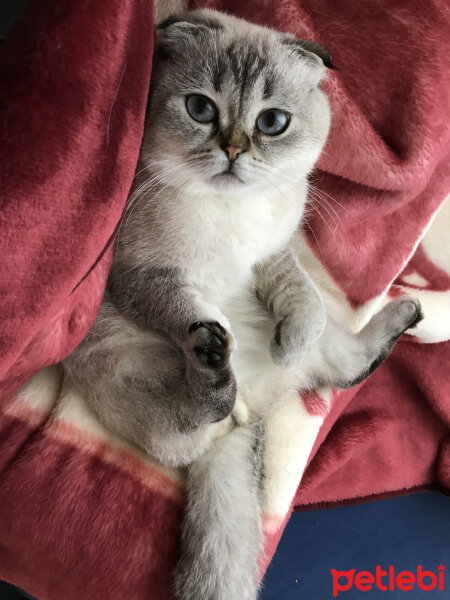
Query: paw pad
(210, 343)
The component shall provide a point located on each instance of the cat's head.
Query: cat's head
(234, 105)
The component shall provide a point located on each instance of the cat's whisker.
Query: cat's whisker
(343, 246)
(155, 164)
(160, 174)
(155, 181)
(305, 220)
(142, 190)
(127, 216)
(291, 186)
(349, 212)
(178, 181)
(145, 168)
(325, 222)
(130, 202)
(313, 202)
(328, 207)
(338, 229)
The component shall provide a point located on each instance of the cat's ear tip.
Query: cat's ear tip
(175, 18)
(191, 22)
(305, 47)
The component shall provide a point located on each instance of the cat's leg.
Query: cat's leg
(160, 300)
(145, 388)
(342, 359)
(222, 534)
(293, 298)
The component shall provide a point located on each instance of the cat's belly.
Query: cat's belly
(219, 280)
(260, 382)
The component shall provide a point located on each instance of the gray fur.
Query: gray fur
(290, 294)
(145, 388)
(206, 298)
(222, 531)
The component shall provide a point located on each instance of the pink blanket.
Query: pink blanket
(82, 514)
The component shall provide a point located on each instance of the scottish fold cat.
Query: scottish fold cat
(209, 320)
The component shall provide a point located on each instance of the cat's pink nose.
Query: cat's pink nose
(232, 152)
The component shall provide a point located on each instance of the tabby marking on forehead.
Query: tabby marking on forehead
(241, 71)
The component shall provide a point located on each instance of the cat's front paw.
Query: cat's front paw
(294, 336)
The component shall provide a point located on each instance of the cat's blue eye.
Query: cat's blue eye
(273, 121)
(201, 108)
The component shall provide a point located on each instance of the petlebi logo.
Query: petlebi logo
(388, 580)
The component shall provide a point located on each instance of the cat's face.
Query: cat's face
(234, 105)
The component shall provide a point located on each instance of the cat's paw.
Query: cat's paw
(208, 371)
(294, 336)
(211, 314)
(210, 344)
(399, 315)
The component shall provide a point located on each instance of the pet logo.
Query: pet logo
(388, 580)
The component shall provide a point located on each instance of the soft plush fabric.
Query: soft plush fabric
(74, 80)
(83, 514)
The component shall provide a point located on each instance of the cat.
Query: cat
(209, 320)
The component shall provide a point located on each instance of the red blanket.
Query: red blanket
(81, 513)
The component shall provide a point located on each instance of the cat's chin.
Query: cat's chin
(230, 183)
(226, 180)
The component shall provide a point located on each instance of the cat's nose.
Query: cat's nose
(232, 152)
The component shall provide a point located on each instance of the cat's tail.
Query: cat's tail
(222, 534)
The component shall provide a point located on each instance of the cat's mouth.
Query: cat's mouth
(228, 175)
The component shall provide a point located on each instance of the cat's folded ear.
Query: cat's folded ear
(310, 50)
(177, 30)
